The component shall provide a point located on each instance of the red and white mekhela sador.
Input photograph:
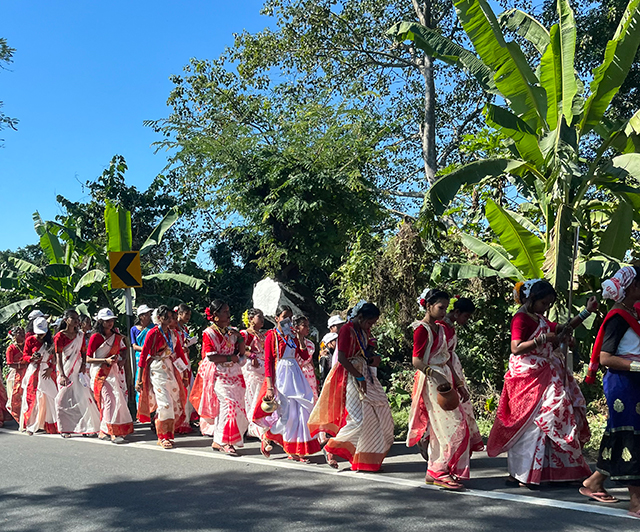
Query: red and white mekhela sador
(541, 418)
(109, 385)
(361, 424)
(38, 409)
(218, 391)
(164, 367)
(17, 369)
(449, 437)
(76, 408)
(308, 369)
(288, 425)
(253, 373)
(451, 337)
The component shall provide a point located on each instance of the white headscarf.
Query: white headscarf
(616, 287)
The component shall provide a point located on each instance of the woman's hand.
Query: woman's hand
(255, 363)
(83, 367)
(235, 358)
(110, 360)
(47, 373)
(139, 386)
(375, 361)
(64, 380)
(464, 393)
(269, 395)
(553, 339)
(592, 304)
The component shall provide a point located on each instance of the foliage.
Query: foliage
(548, 121)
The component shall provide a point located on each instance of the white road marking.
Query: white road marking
(367, 477)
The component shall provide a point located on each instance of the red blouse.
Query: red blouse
(14, 355)
(60, 341)
(421, 339)
(154, 342)
(348, 341)
(31, 346)
(270, 355)
(523, 326)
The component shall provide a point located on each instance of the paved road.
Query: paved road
(82, 484)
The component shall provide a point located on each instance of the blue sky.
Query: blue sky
(85, 75)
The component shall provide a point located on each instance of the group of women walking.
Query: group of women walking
(264, 385)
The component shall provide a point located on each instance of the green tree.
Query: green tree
(6, 58)
(287, 182)
(548, 121)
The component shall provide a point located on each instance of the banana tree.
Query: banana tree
(547, 117)
(77, 274)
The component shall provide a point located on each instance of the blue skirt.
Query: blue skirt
(619, 456)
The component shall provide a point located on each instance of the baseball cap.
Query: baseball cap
(335, 320)
(40, 326)
(143, 309)
(329, 337)
(105, 314)
(36, 314)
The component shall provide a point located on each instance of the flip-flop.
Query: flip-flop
(330, 461)
(104, 437)
(600, 496)
(450, 485)
(303, 460)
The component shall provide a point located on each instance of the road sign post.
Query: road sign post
(126, 273)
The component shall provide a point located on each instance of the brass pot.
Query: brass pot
(269, 406)
(448, 398)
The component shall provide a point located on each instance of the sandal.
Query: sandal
(265, 448)
(446, 482)
(302, 459)
(226, 449)
(103, 436)
(65, 435)
(331, 462)
(165, 444)
(600, 496)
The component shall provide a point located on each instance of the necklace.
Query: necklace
(631, 310)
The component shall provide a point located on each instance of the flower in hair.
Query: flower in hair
(208, 314)
(422, 300)
(354, 311)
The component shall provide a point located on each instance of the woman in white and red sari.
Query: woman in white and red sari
(17, 369)
(541, 417)
(460, 314)
(301, 330)
(162, 376)
(38, 410)
(183, 312)
(218, 391)
(286, 384)
(253, 369)
(353, 407)
(76, 408)
(446, 433)
(105, 356)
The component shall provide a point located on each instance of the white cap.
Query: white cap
(335, 320)
(40, 326)
(329, 337)
(143, 309)
(36, 314)
(105, 314)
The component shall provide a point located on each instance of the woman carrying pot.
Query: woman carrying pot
(437, 419)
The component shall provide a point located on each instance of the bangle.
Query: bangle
(635, 366)
(228, 358)
(584, 314)
(428, 371)
(360, 378)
